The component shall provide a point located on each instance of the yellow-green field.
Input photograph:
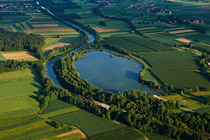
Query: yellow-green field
(192, 101)
(17, 93)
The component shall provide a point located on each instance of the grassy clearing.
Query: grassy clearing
(90, 124)
(192, 101)
(18, 100)
(121, 134)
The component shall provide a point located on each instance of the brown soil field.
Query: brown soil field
(174, 29)
(19, 56)
(166, 24)
(27, 28)
(154, 33)
(205, 44)
(74, 33)
(147, 28)
(100, 30)
(73, 132)
(187, 34)
(181, 31)
(45, 25)
(183, 40)
(55, 46)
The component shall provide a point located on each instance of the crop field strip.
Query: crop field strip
(90, 124)
(137, 44)
(35, 130)
(179, 69)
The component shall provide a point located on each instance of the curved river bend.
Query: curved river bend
(132, 75)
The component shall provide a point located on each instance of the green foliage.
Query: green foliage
(90, 124)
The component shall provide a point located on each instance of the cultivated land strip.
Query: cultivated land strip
(78, 131)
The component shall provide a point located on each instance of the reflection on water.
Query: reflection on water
(111, 74)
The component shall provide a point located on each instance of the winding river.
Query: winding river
(50, 73)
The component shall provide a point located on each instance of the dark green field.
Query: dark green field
(122, 134)
(90, 124)
(135, 43)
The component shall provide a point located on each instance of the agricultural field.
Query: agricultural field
(89, 18)
(58, 107)
(38, 129)
(20, 99)
(194, 101)
(56, 33)
(134, 43)
(121, 134)
(18, 56)
(90, 124)
(180, 69)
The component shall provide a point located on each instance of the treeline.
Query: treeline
(18, 41)
(12, 65)
(137, 102)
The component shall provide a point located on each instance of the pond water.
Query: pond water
(112, 74)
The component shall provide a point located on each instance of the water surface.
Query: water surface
(112, 74)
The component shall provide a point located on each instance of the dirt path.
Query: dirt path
(78, 131)
(205, 44)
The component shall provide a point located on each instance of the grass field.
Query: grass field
(40, 129)
(192, 101)
(90, 124)
(18, 100)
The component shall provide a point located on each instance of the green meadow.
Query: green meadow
(17, 92)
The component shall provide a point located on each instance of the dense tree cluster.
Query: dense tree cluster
(11, 65)
(17, 41)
